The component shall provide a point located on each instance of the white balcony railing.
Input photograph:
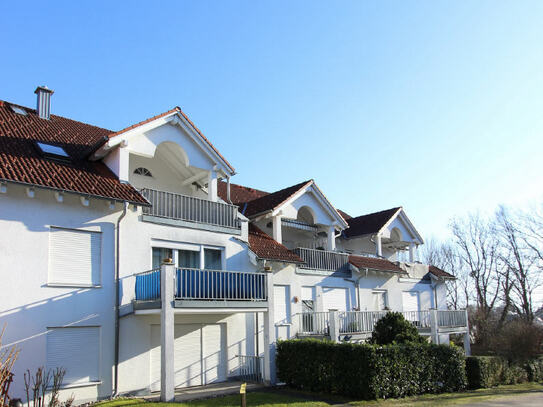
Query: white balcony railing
(451, 318)
(322, 259)
(363, 322)
(189, 208)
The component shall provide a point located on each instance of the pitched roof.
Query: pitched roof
(345, 215)
(150, 119)
(21, 160)
(373, 263)
(266, 248)
(370, 223)
(238, 193)
(436, 271)
(178, 110)
(271, 201)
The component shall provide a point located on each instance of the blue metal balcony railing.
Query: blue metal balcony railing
(206, 285)
(196, 284)
(148, 285)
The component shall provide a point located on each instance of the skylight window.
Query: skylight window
(18, 110)
(52, 150)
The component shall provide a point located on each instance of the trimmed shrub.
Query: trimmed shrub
(484, 371)
(490, 371)
(369, 371)
(394, 328)
(534, 369)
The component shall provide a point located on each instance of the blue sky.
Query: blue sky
(433, 105)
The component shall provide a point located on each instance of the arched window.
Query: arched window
(143, 171)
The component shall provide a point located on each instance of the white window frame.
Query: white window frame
(174, 246)
(98, 380)
(381, 291)
(53, 283)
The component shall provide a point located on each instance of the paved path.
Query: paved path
(521, 400)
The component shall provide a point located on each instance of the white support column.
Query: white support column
(124, 169)
(212, 186)
(331, 238)
(434, 329)
(412, 252)
(276, 222)
(167, 370)
(378, 246)
(334, 325)
(467, 341)
(269, 335)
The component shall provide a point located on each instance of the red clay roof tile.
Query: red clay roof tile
(21, 161)
(238, 193)
(266, 248)
(362, 262)
(368, 224)
(268, 202)
(436, 271)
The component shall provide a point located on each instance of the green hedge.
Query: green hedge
(534, 370)
(490, 371)
(369, 371)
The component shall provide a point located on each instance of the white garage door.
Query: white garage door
(335, 298)
(199, 356)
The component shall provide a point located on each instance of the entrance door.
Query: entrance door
(199, 356)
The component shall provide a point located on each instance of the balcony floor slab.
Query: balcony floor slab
(191, 225)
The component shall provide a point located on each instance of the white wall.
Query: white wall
(135, 355)
(31, 306)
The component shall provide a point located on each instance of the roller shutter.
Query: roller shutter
(335, 298)
(199, 355)
(74, 257)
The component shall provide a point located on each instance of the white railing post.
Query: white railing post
(334, 325)
(434, 327)
(167, 370)
(269, 334)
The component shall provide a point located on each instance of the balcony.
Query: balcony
(363, 322)
(323, 260)
(196, 288)
(189, 211)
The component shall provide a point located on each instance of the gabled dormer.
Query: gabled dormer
(175, 167)
(297, 216)
(389, 234)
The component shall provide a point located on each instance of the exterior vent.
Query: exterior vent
(44, 101)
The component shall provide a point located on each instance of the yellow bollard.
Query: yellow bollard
(243, 391)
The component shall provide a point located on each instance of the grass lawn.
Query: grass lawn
(294, 399)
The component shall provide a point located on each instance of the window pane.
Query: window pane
(212, 258)
(189, 259)
(159, 254)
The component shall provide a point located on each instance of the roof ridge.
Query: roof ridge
(148, 120)
(375, 213)
(33, 111)
(250, 188)
(301, 184)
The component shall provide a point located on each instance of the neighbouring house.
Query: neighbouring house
(130, 259)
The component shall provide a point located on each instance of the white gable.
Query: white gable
(312, 199)
(179, 142)
(401, 227)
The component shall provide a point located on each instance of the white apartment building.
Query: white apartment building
(130, 260)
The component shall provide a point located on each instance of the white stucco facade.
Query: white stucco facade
(41, 312)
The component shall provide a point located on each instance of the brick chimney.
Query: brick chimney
(44, 101)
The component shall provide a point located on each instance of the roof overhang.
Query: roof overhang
(338, 221)
(174, 117)
(400, 214)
